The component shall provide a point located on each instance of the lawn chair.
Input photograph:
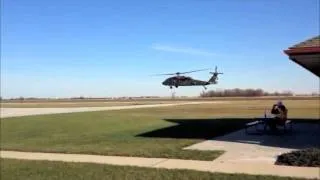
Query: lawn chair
(263, 121)
(285, 123)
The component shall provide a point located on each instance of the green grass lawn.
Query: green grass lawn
(138, 132)
(36, 170)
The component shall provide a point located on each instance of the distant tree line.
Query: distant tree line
(243, 93)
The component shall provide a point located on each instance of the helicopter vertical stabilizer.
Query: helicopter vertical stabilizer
(214, 78)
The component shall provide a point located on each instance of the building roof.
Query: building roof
(306, 54)
(309, 46)
(312, 42)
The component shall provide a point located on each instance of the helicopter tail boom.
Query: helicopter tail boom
(213, 80)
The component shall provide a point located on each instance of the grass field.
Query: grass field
(36, 170)
(139, 132)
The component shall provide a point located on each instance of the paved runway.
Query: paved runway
(14, 112)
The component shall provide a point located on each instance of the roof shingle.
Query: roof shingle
(312, 42)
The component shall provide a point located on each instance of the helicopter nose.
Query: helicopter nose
(165, 82)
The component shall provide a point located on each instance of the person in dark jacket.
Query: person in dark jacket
(280, 112)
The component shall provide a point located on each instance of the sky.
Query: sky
(103, 48)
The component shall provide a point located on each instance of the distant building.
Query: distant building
(306, 54)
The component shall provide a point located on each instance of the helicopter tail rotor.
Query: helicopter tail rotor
(216, 73)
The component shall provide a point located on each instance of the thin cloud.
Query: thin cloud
(185, 50)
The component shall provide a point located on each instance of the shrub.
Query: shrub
(307, 157)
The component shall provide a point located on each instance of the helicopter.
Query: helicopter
(178, 80)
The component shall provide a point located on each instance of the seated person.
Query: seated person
(280, 112)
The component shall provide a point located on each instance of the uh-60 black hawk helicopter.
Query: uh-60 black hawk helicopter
(178, 80)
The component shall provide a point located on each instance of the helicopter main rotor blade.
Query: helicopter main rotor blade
(178, 73)
(164, 74)
(195, 71)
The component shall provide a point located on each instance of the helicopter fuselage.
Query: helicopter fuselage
(177, 81)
